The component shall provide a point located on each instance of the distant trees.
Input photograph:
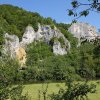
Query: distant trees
(96, 52)
(83, 8)
(87, 60)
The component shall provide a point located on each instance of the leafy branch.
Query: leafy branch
(93, 5)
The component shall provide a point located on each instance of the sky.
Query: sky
(56, 9)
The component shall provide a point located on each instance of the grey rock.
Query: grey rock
(28, 36)
(11, 44)
(13, 49)
(57, 49)
(45, 34)
(83, 31)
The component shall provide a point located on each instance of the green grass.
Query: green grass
(33, 90)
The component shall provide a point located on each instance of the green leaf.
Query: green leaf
(74, 4)
(70, 12)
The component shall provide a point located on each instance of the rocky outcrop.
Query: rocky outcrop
(60, 45)
(13, 49)
(21, 56)
(45, 34)
(16, 49)
(83, 31)
(11, 44)
(57, 49)
(28, 36)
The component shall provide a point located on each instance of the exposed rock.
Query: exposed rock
(45, 34)
(38, 34)
(28, 36)
(57, 49)
(83, 31)
(16, 49)
(11, 44)
(13, 49)
(21, 56)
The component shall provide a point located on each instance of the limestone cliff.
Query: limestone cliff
(11, 44)
(60, 45)
(16, 49)
(83, 31)
(28, 36)
(57, 49)
(45, 34)
(13, 49)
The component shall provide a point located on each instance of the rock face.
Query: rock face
(57, 49)
(45, 34)
(83, 31)
(11, 44)
(16, 49)
(28, 36)
(13, 49)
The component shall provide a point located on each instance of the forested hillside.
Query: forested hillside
(42, 65)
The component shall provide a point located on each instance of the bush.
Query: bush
(37, 52)
(74, 91)
(8, 71)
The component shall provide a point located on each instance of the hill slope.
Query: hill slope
(41, 63)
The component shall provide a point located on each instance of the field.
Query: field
(33, 90)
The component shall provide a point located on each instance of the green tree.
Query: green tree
(74, 91)
(38, 51)
(8, 71)
(87, 61)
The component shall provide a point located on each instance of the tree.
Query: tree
(37, 52)
(87, 61)
(74, 91)
(90, 5)
(8, 73)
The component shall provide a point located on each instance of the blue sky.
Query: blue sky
(55, 9)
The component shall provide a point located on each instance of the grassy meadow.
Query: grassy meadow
(33, 90)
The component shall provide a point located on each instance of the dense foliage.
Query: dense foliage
(74, 91)
(8, 75)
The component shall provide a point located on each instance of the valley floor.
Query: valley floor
(33, 90)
